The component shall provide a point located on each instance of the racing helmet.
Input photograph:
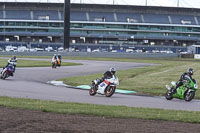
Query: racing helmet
(191, 71)
(113, 70)
(14, 57)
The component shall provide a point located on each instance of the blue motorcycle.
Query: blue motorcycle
(8, 71)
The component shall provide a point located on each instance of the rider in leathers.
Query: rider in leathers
(13, 62)
(186, 76)
(60, 58)
(107, 75)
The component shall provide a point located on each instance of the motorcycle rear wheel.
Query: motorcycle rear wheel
(92, 91)
(189, 96)
(110, 90)
(168, 95)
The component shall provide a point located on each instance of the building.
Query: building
(92, 24)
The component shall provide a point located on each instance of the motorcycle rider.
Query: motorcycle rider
(12, 61)
(60, 58)
(186, 76)
(54, 57)
(107, 75)
(110, 73)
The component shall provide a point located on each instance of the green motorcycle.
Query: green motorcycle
(186, 91)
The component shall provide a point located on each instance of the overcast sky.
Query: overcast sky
(170, 3)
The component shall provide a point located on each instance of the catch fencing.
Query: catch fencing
(96, 54)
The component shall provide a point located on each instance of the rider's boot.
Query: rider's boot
(2, 70)
(174, 90)
(11, 74)
(168, 87)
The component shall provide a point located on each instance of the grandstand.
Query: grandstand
(41, 24)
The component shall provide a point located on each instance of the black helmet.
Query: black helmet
(113, 70)
(190, 71)
(14, 57)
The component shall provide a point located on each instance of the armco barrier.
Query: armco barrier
(187, 56)
(95, 54)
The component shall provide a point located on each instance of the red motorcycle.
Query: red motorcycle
(54, 63)
(107, 87)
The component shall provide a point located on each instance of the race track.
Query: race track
(32, 83)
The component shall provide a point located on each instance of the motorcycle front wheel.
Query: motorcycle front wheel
(53, 65)
(110, 90)
(92, 91)
(168, 95)
(189, 96)
(5, 75)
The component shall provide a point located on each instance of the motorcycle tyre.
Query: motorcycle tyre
(168, 95)
(191, 93)
(110, 93)
(53, 65)
(5, 75)
(92, 91)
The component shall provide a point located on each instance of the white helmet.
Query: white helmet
(113, 70)
(191, 71)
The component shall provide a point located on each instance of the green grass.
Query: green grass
(149, 80)
(33, 63)
(101, 110)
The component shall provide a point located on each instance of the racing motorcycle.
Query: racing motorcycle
(8, 71)
(58, 62)
(186, 91)
(54, 63)
(107, 87)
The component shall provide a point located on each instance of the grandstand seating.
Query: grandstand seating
(156, 18)
(133, 17)
(182, 19)
(101, 16)
(76, 16)
(198, 20)
(18, 14)
(45, 15)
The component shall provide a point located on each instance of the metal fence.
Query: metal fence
(96, 54)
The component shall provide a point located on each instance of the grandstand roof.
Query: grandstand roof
(166, 3)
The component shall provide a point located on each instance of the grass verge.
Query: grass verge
(33, 63)
(101, 110)
(149, 80)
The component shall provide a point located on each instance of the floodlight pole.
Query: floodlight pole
(66, 24)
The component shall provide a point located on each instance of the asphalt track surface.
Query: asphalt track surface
(32, 83)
